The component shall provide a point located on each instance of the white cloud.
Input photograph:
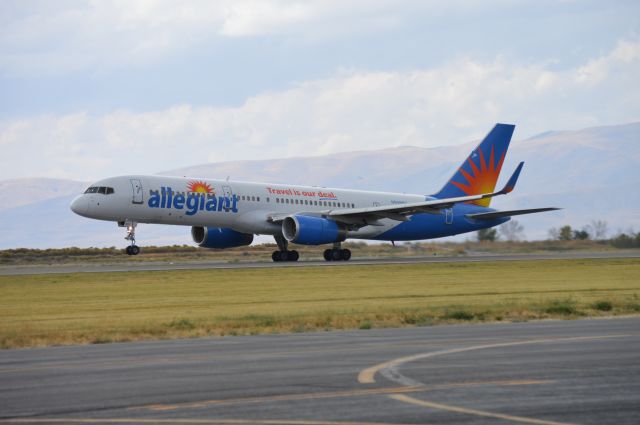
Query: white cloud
(44, 38)
(456, 102)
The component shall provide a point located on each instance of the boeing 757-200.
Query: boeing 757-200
(225, 214)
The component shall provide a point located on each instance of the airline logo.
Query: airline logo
(200, 197)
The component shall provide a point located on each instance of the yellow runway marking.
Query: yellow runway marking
(286, 397)
(474, 412)
(334, 394)
(367, 376)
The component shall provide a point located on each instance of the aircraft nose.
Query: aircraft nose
(80, 205)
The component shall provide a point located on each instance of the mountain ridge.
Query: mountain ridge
(591, 173)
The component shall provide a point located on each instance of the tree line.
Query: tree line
(597, 230)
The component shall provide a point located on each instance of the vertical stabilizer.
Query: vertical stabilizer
(479, 172)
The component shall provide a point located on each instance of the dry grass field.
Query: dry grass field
(107, 307)
(262, 252)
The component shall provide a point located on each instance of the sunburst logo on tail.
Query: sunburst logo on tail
(482, 177)
(198, 186)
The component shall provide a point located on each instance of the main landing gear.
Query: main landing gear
(132, 249)
(283, 254)
(336, 253)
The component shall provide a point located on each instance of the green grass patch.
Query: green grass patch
(603, 305)
(561, 307)
(458, 315)
(42, 310)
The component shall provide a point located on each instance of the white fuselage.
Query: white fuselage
(241, 206)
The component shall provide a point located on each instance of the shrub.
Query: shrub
(603, 305)
(563, 307)
(458, 315)
(365, 325)
(182, 324)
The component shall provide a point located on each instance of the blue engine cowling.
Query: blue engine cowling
(307, 230)
(219, 237)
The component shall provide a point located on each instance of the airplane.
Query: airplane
(225, 214)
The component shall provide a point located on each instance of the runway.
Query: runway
(126, 266)
(546, 372)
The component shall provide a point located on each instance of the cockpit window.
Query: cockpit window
(100, 189)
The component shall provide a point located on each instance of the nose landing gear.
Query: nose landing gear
(132, 249)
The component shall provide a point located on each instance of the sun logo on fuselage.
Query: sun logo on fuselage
(480, 179)
(198, 186)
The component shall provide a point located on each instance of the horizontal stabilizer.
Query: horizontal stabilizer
(499, 214)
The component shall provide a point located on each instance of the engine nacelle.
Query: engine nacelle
(307, 230)
(219, 237)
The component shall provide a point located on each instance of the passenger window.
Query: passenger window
(267, 199)
(258, 199)
(253, 198)
(287, 200)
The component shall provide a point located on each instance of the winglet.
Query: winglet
(511, 184)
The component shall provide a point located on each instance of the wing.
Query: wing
(500, 214)
(369, 215)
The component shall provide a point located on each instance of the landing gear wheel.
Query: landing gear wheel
(278, 256)
(132, 250)
(337, 254)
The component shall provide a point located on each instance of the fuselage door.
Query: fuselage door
(228, 195)
(138, 194)
(448, 215)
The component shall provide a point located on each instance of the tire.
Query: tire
(284, 255)
(293, 255)
(275, 256)
(135, 250)
(345, 254)
(327, 255)
(128, 250)
(336, 255)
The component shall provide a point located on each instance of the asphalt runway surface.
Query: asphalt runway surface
(545, 372)
(131, 266)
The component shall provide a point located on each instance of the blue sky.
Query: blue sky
(92, 89)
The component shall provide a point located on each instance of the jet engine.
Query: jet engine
(219, 237)
(308, 230)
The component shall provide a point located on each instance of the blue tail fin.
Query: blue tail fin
(479, 172)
